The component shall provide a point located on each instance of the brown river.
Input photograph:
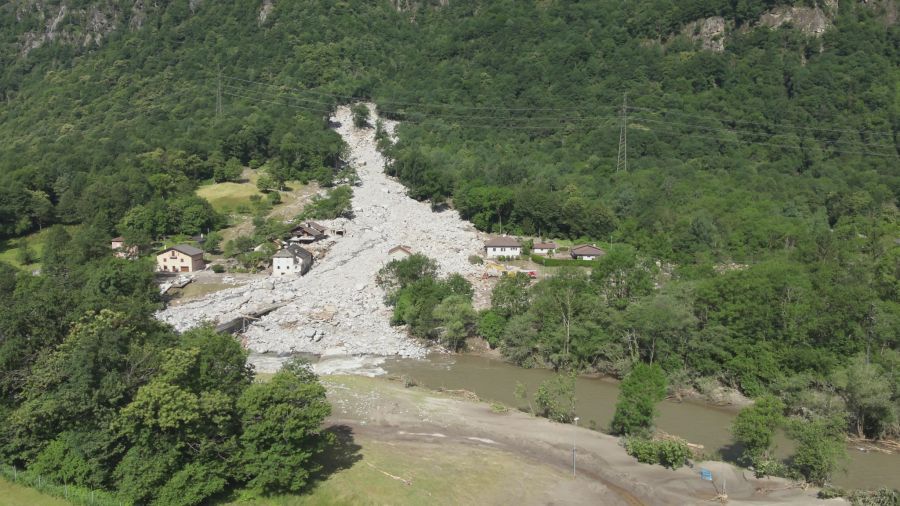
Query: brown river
(495, 380)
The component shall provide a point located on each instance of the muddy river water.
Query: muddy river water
(495, 380)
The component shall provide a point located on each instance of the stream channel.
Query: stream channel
(697, 422)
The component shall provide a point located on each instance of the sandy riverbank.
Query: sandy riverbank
(423, 422)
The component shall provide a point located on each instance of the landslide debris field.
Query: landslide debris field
(337, 309)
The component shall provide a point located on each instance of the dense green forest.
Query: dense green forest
(97, 393)
(755, 229)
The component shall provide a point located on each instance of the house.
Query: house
(180, 258)
(544, 248)
(502, 247)
(122, 251)
(315, 226)
(307, 232)
(291, 260)
(399, 252)
(587, 252)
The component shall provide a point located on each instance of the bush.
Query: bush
(475, 260)
(555, 399)
(559, 262)
(671, 454)
(218, 268)
(360, 115)
(335, 204)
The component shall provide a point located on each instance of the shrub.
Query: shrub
(560, 262)
(218, 268)
(360, 115)
(671, 454)
(475, 260)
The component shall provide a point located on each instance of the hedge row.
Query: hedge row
(559, 262)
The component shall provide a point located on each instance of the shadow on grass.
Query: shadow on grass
(342, 454)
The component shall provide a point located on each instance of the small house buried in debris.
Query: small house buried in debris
(291, 260)
(544, 248)
(180, 258)
(502, 247)
(399, 252)
(586, 252)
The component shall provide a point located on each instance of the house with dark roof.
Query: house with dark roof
(586, 252)
(502, 247)
(544, 248)
(180, 258)
(291, 260)
(307, 232)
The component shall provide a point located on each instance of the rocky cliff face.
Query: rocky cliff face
(712, 32)
(59, 22)
(810, 20)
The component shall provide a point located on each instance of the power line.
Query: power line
(386, 106)
(852, 143)
(757, 123)
(568, 126)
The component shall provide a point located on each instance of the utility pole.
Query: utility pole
(219, 92)
(622, 159)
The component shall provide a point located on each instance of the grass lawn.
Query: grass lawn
(226, 197)
(12, 494)
(9, 248)
(411, 472)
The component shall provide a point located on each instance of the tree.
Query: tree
(555, 398)
(490, 327)
(282, 429)
(510, 296)
(820, 448)
(456, 317)
(639, 393)
(229, 171)
(754, 429)
(360, 115)
(266, 183)
(867, 391)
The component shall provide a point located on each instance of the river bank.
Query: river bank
(510, 456)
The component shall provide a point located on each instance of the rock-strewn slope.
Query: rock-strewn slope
(337, 308)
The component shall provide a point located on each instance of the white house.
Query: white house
(180, 258)
(291, 260)
(502, 247)
(587, 252)
(543, 248)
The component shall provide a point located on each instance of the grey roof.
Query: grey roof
(184, 248)
(502, 242)
(293, 251)
(544, 245)
(587, 250)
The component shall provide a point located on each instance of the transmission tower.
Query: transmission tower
(622, 159)
(219, 93)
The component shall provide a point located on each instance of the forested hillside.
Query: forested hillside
(756, 224)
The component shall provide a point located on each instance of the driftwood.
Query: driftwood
(887, 446)
(696, 449)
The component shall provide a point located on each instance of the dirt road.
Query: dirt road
(419, 421)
